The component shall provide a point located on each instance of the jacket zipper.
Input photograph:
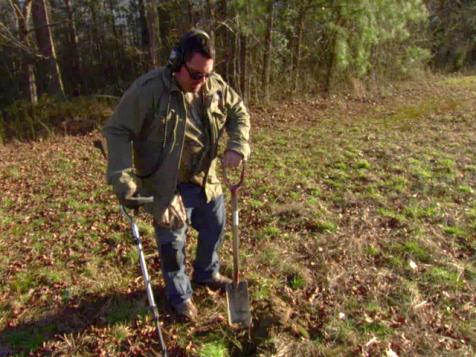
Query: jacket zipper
(213, 142)
(183, 140)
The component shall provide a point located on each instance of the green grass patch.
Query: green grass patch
(24, 281)
(322, 226)
(454, 231)
(376, 329)
(363, 165)
(472, 212)
(262, 290)
(27, 339)
(394, 216)
(51, 276)
(414, 249)
(6, 218)
(444, 277)
(296, 282)
(341, 331)
(395, 262)
(420, 169)
(120, 331)
(469, 273)
(269, 232)
(446, 165)
(120, 311)
(397, 184)
(214, 348)
(416, 210)
(270, 257)
(132, 256)
(469, 81)
(80, 206)
(372, 250)
(12, 172)
(254, 203)
(465, 189)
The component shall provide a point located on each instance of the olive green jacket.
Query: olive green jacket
(147, 132)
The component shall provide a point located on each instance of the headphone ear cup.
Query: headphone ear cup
(175, 59)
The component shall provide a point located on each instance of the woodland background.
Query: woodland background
(264, 47)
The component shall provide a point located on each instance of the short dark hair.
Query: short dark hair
(196, 41)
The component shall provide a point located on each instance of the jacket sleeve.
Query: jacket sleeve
(237, 124)
(124, 125)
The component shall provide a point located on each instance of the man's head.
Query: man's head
(192, 60)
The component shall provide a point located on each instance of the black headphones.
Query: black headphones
(176, 58)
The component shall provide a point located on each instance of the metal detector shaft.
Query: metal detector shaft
(145, 274)
(236, 237)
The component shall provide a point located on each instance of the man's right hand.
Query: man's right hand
(125, 187)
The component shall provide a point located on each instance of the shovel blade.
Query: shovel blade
(238, 304)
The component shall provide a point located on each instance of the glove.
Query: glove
(125, 187)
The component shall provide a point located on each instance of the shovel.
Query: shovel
(237, 297)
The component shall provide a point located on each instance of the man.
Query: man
(171, 119)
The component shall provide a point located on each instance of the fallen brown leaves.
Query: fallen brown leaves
(328, 236)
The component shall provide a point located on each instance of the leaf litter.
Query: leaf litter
(328, 243)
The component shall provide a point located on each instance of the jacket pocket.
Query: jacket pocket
(174, 216)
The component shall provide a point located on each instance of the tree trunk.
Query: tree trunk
(75, 59)
(236, 60)
(164, 32)
(331, 66)
(153, 32)
(268, 51)
(116, 50)
(190, 14)
(143, 24)
(22, 15)
(46, 46)
(95, 34)
(243, 56)
(211, 20)
(297, 48)
(226, 43)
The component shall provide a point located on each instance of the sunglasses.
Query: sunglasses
(197, 75)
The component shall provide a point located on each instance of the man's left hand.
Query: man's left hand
(232, 159)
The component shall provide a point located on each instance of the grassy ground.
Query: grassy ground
(358, 226)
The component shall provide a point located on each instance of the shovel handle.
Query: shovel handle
(234, 186)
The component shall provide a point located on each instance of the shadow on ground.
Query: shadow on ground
(98, 311)
(77, 316)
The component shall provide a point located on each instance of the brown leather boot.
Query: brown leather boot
(217, 282)
(187, 310)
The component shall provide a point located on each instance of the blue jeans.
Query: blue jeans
(209, 220)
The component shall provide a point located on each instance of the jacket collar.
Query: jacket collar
(169, 80)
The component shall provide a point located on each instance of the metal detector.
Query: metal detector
(135, 234)
(143, 266)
